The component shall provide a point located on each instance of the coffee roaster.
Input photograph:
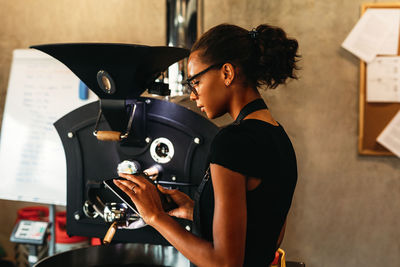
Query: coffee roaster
(121, 126)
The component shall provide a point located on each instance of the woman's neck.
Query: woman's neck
(241, 99)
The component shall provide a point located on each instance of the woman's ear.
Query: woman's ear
(228, 72)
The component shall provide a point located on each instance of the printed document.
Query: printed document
(376, 33)
(383, 79)
(32, 163)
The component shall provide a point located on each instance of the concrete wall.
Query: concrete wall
(346, 206)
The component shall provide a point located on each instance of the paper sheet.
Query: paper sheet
(32, 162)
(383, 79)
(390, 136)
(392, 17)
(377, 32)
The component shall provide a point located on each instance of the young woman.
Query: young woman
(240, 210)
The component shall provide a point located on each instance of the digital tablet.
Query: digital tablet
(166, 202)
(121, 194)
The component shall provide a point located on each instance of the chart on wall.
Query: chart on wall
(32, 162)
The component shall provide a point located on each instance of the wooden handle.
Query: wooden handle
(108, 136)
(110, 233)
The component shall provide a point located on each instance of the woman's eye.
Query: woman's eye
(194, 83)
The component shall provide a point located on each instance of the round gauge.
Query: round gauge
(162, 150)
(105, 82)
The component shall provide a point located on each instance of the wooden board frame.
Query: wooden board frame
(373, 117)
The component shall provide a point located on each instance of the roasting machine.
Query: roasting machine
(150, 133)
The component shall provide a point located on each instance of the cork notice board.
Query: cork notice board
(373, 117)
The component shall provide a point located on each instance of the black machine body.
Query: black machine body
(147, 130)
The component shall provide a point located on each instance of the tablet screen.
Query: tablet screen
(121, 194)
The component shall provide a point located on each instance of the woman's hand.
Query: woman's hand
(184, 202)
(144, 194)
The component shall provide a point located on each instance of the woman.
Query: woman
(241, 206)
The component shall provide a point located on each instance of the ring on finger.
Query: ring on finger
(133, 187)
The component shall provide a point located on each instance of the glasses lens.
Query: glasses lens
(192, 89)
(189, 87)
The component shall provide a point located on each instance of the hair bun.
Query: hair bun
(278, 56)
(264, 55)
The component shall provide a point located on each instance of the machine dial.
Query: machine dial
(162, 150)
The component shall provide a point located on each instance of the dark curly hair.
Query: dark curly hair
(265, 55)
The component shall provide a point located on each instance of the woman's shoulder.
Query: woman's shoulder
(249, 135)
(231, 133)
(249, 127)
(241, 137)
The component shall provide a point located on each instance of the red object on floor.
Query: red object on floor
(95, 241)
(61, 232)
(34, 213)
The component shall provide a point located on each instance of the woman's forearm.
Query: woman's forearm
(197, 250)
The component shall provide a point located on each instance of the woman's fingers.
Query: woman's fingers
(165, 190)
(144, 195)
(140, 181)
(126, 186)
(173, 213)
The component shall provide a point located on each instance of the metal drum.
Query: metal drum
(117, 255)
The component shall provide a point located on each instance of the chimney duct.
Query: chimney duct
(183, 25)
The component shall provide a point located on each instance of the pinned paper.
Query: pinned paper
(376, 33)
(383, 79)
(390, 136)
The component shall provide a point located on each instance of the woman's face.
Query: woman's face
(212, 97)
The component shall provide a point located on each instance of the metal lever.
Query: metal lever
(110, 233)
(113, 135)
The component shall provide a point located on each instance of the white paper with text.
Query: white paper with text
(376, 33)
(32, 162)
(383, 79)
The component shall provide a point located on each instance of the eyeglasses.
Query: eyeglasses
(190, 83)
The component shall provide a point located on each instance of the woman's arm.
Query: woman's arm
(229, 225)
(281, 235)
(184, 202)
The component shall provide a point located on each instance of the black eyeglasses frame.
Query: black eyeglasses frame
(188, 82)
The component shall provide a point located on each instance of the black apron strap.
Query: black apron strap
(250, 108)
(196, 211)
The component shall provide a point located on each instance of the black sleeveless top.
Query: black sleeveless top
(253, 148)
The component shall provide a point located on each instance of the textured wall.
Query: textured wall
(346, 206)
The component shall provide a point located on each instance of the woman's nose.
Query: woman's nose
(192, 96)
